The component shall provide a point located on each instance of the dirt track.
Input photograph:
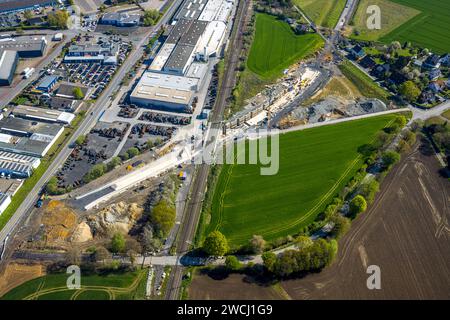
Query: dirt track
(406, 233)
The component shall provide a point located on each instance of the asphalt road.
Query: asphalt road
(100, 105)
(194, 205)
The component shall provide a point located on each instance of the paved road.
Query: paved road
(188, 227)
(85, 126)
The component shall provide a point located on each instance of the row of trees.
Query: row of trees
(316, 256)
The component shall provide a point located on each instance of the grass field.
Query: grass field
(363, 82)
(446, 114)
(314, 166)
(423, 23)
(118, 286)
(276, 47)
(393, 15)
(324, 13)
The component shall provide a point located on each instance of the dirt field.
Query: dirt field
(405, 233)
(16, 274)
(235, 286)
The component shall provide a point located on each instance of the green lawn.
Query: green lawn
(314, 166)
(363, 82)
(118, 286)
(276, 47)
(324, 13)
(424, 23)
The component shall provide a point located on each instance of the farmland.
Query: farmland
(276, 47)
(314, 165)
(234, 286)
(423, 23)
(118, 286)
(324, 13)
(405, 232)
(393, 15)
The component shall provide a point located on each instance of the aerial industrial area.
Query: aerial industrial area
(134, 137)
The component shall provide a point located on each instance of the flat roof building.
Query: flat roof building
(161, 58)
(15, 169)
(8, 65)
(62, 103)
(20, 158)
(216, 10)
(163, 91)
(120, 19)
(211, 42)
(87, 53)
(190, 9)
(47, 83)
(42, 114)
(28, 137)
(26, 47)
(65, 90)
(10, 186)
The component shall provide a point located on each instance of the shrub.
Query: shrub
(357, 205)
(232, 263)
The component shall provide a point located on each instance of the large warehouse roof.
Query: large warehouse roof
(190, 9)
(163, 87)
(24, 44)
(27, 127)
(212, 38)
(179, 58)
(43, 114)
(161, 58)
(216, 10)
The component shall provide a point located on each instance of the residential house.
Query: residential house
(432, 62)
(357, 52)
(368, 63)
(434, 74)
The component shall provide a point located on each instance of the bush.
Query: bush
(215, 244)
(163, 217)
(341, 226)
(269, 260)
(77, 93)
(80, 140)
(132, 152)
(96, 172)
(357, 205)
(114, 162)
(390, 158)
(118, 243)
(232, 263)
(257, 244)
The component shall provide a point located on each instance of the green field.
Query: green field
(324, 13)
(423, 23)
(117, 286)
(393, 15)
(276, 47)
(314, 166)
(363, 82)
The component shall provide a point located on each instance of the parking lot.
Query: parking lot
(9, 20)
(101, 144)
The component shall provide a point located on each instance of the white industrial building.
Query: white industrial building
(165, 91)
(216, 10)
(179, 67)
